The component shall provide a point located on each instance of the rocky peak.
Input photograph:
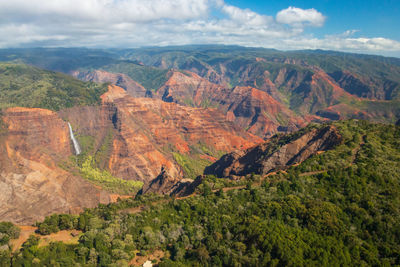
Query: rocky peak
(162, 184)
(278, 153)
(153, 133)
(119, 79)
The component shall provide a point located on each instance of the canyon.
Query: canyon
(149, 137)
(163, 119)
(32, 183)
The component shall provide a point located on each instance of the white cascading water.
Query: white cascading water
(74, 141)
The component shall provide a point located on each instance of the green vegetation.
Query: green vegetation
(106, 180)
(55, 223)
(291, 72)
(27, 86)
(59, 59)
(150, 78)
(192, 165)
(236, 58)
(3, 125)
(8, 231)
(102, 154)
(90, 164)
(206, 103)
(346, 214)
(87, 143)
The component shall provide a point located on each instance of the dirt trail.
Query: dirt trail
(72, 236)
(355, 151)
(26, 231)
(225, 189)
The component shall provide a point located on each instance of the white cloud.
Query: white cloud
(103, 10)
(300, 17)
(246, 16)
(365, 45)
(133, 23)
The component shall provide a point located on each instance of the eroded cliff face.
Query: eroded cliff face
(284, 98)
(32, 185)
(250, 108)
(100, 76)
(260, 113)
(365, 87)
(150, 131)
(149, 140)
(165, 184)
(188, 88)
(269, 99)
(95, 122)
(270, 156)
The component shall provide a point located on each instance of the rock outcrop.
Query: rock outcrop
(268, 99)
(272, 155)
(124, 81)
(186, 188)
(164, 184)
(248, 107)
(32, 185)
(150, 132)
(364, 86)
(147, 135)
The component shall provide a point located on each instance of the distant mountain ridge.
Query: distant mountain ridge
(307, 85)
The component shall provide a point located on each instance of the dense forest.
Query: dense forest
(26, 86)
(338, 208)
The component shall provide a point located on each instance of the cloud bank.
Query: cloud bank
(300, 17)
(134, 23)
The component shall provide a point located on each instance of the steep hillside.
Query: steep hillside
(278, 153)
(122, 80)
(306, 85)
(60, 59)
(23, 85)
(149, 77)
(250, 108)
(33, 143)
(126, 142)
(315, 85)
(373, 77)
(330, 85)
(153, 134)
(339, 207)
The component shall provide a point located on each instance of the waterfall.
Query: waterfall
(74, 141)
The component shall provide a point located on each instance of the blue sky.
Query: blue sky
(373, 18)
(368, 26)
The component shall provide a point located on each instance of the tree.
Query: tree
(202, 254)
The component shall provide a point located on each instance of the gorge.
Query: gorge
(201, 153)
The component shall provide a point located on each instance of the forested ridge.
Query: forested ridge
(26, 86)
(338, 208)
